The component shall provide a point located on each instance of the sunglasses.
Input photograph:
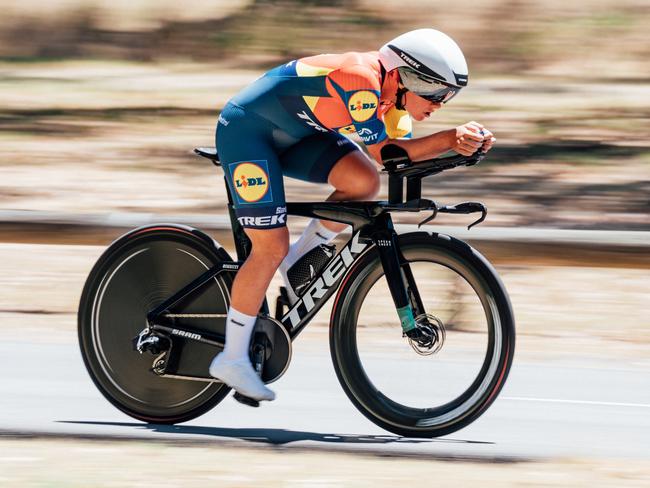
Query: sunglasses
(442, 95)
(427, 88)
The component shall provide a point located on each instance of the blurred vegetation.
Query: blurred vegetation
(606, 38)
(564, 85)
(260, 32)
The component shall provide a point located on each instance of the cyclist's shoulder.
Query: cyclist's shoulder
(363, 66)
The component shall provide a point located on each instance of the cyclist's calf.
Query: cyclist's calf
(269, 247)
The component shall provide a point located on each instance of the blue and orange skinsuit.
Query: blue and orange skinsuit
(294, 120)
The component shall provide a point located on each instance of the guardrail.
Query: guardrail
(500, 244)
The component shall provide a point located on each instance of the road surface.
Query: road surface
(586, 408)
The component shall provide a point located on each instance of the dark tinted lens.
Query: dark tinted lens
(441, 96)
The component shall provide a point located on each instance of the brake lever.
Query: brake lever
(471, 207)
(467, 208)
(481, 218)
(433, 215)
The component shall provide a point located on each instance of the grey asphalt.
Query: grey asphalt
(581, 408)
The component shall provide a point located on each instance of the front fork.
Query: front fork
(401, 282)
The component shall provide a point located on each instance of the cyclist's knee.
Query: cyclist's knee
(372, 186)
(275, 252)
(270, 245)
(365, 186)
(355, 176)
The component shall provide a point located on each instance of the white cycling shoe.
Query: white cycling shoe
(240, 375)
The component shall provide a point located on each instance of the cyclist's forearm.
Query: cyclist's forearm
(427, 147)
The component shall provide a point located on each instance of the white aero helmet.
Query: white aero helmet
(429, 62)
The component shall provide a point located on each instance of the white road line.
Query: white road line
(584, 402)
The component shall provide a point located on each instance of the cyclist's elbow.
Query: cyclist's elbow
(375, 150)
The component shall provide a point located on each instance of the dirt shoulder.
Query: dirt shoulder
(75, 463)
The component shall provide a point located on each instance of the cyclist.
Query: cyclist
(294, 121)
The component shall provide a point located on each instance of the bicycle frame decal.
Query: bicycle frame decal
(328, 279)
(406, 318)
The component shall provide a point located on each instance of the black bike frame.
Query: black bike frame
(371, 225)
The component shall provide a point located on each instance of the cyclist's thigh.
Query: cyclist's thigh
(312, 158)
(251, 168)
(355, 174)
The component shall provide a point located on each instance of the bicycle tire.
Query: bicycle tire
(473, 402)
(136, 273)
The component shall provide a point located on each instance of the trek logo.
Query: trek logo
(230, 266)
(409, 60)
(189, 335)
(363, 105)
(263, 221)
(328, 278)
(251, 181)
(310, 122)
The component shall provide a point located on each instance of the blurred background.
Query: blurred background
(102, 101)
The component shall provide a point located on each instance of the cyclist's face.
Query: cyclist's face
(418, 107)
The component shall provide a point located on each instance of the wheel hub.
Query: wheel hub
(428, 337)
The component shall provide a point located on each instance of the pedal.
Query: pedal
(251, 402)
(281, 302)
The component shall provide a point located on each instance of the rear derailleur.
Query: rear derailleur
(150, 341)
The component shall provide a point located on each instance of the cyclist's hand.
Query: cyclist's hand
(488, 140)
(468, 138)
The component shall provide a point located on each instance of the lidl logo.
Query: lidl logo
(251, 181)
(363, 105)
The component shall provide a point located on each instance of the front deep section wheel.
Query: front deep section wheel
(446, 380)
(135, 274)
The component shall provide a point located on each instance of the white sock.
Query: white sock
(239, 328)
(314, 234)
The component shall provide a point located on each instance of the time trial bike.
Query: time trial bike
(421, 330)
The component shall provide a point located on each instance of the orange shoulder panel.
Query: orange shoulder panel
(346, 73)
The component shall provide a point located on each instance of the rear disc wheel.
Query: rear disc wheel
(132, 277)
